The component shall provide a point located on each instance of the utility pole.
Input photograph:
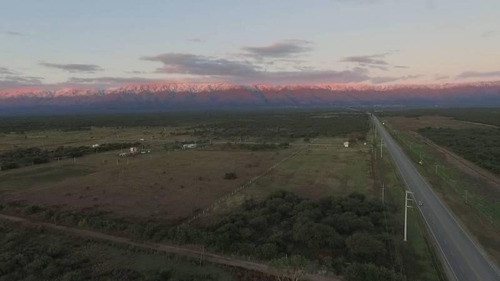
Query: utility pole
(381, 144)
(383, 193)
(406, 213)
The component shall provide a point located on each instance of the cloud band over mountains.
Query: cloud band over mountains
(73, 67)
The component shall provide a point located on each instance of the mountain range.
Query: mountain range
(209, 96)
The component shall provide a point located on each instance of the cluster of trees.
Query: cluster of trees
(288, 125)
(32, 156)
(23, 257)
(85, 122)
(333, 231)
(479, 115)
(352, 236)
(285, 119)
(32, 254)
(478, 145)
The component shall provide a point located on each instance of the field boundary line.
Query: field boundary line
(224, 198)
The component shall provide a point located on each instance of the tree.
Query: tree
(230, 176)
(363, 247)
(291, 268)
(371, 272)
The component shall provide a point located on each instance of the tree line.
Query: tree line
(351, 236)
(21, 157)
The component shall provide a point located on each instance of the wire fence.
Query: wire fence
(227, 197)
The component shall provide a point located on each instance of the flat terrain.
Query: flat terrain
(156, 187)
(321, 171)
(201, 196)
(320, 168)
(420, 122)
(50, 139)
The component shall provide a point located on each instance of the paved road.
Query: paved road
(464, 258)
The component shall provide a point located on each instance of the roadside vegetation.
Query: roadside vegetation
(418, 255)
(489, 116)
(478, 145)
(472, 199)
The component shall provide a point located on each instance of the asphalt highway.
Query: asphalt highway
(463, 257)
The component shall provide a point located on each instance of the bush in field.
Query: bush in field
(230, 176)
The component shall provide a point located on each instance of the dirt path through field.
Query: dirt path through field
(182, 251)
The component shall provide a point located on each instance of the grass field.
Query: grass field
(321, 168)
(156, 187)
(320, 171)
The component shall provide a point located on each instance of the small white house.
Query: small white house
(346, 144)
(133, 150)
(189, 146)
(95, 145)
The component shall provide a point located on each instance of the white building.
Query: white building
(95, 145)
(189, 146)
(133, 150)
(346, 144)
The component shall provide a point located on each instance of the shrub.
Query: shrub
(230, 176)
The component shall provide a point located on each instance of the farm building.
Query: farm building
(346, 144)
(132, 152)
(95, 145)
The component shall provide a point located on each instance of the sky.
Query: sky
(109, 43)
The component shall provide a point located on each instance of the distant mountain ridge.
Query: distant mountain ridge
(203, 96)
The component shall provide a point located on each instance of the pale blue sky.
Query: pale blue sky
(109, 43)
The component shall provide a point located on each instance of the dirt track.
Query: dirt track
(463, 164)
(210, 257)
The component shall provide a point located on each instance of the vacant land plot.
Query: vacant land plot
(318, 172)
(42, 175)
(322, 168)
(167, 187)
(420, 122)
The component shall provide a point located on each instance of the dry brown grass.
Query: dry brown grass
(167, 187)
